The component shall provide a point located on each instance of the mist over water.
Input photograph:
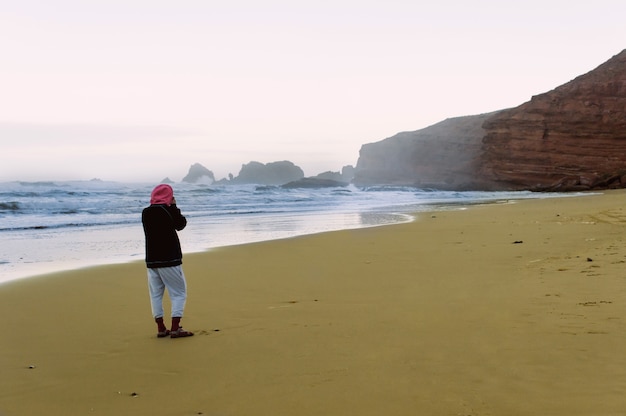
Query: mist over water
(53, 226)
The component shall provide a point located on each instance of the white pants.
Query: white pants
(173, 279)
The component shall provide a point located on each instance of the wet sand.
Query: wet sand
(504, 309)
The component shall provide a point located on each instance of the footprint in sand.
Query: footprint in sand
(205, 332)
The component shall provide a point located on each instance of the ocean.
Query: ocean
(53, 226)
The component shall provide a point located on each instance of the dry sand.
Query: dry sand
(507, 309)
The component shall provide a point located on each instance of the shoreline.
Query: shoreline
(46, 268)
(66, 232)
(193, 242)
(496, 309)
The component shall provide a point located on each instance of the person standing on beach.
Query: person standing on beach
(164, 259)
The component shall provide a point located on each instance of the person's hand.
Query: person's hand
(173, 201)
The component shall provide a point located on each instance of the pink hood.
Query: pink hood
(162, 194)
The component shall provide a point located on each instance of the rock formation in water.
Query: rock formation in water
(346, 175)
(199, 174)
(571, 138)
(325, 179)
(275, 173)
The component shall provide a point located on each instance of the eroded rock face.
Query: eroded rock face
(571, 138)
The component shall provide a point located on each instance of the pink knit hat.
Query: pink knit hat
(162, 194)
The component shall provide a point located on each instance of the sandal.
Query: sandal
(180, 333)
(163, 334)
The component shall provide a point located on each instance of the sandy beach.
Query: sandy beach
(503, 309)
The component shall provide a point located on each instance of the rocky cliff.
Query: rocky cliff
(443, 156)
(571, 138)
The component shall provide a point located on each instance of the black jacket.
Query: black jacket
(160, 223)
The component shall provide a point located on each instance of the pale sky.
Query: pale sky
(137, 90)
